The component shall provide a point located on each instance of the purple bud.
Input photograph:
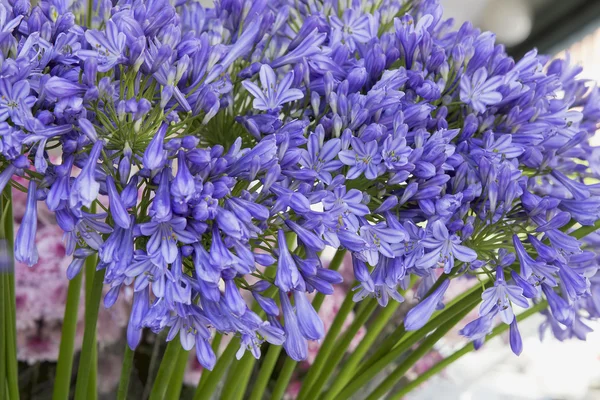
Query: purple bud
(183, 186)
(75, 267)
(516, 344)
(160, 210)
(155, 156)
(387, 204)
(25, 248)
(361, 274)
(138, 312)
(117, 208)
(85, 189)
(529, 290)
(420, 314)
(287, 276)
(205, 270)
(308, 238)
(205, 354)
(229, 223)
(88, 129)
(233, 299)
(310, 324)
(267, 304)
(295, 344)
(559, 307)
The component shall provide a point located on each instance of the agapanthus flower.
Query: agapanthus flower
(203, 149)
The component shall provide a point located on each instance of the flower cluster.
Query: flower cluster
(235, 143)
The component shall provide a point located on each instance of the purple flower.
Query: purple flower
(353, 28)
(443, 249)
(273, 95)
(501, 296)
(478, 91)
(107, 47)
(363, 158)
(164, 237)
(12, 97)
(320, 156)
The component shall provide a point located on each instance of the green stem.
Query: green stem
(341, 347)
(407, 341)
(237, 379)
(86, 365)
(90, 11)
(366, 343)
(284, 378)
(152, 368)
(399, 333)
(3, 358)
(210, 380)
(93, 383)
(8, 299)
(165, 371)
(125, 373)
(417, 354)
(266, 369)
(327, 347)
(174, 388)
(62, 381)
(464, 350)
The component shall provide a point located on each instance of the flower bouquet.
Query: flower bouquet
(208, 160)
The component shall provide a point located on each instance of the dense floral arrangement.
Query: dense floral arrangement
(235, 143)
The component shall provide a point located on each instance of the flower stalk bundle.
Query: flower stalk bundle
(199, 155)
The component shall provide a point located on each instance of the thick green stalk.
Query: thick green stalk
(266, 369)
(62, 381)
(92, 390)
(210, 380)
(411, 338)
(125, 373)
(86, 359)
(366, 343)
(464, 350)
(165, 371)
(3, 289)
(12, 370)
(341, 347)
(417, 354)
(237, 380)
(327, 347)
(283, 379)
(7, 293)
(174, 388)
